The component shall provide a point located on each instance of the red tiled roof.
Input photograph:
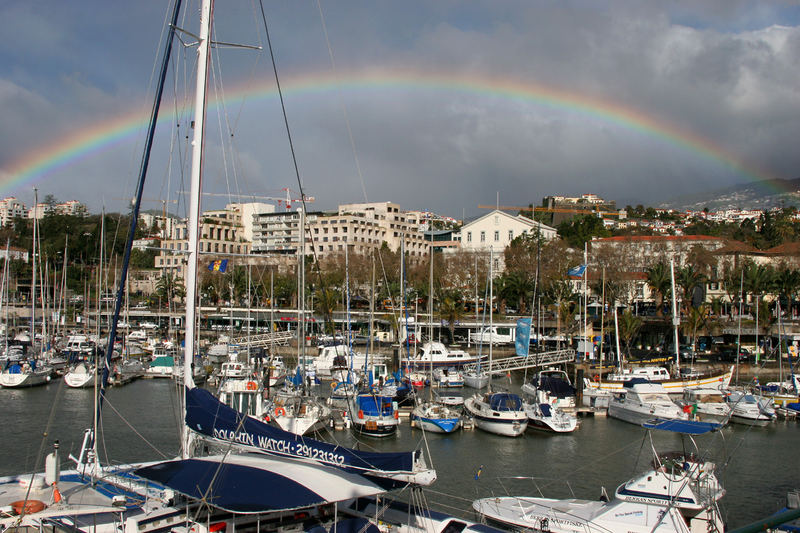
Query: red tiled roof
(644, 238)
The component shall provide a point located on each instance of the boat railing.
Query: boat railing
(281, 338)
(538, 483)
(533, 360)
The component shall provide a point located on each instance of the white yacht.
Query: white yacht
(678, 495)
(748, 408)
(642, 400)
(436, 354)
(498, 412)
(706, 404)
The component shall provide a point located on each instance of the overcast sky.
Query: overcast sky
(449, 103)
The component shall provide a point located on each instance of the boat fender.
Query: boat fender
(56, 494)
(360, 413)
(280, 411)
(251, 385)
(266, 417)
(596, 378)
(396, 415)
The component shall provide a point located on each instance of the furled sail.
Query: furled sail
(209, 417)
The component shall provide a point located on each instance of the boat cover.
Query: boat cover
(689, 427)
(206, 415)
(505, 401)
(375, 405)
(545, 407)
(256, 483)
(556, 386)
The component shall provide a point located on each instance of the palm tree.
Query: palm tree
(687, 278)
(659, 281)
(629, 326)
(696, 320)
(170, 287)
(758, 279)
(450, 310)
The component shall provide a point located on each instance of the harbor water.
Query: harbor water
(141, 422)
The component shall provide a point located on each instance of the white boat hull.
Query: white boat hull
(506, 423)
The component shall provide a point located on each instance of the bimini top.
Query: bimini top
(257, 483)
(688, 427)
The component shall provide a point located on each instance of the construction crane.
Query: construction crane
(548, 209)
(287, 201)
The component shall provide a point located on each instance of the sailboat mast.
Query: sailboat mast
(33, 257)
(676, 319)
(203, 46)
(491, 313)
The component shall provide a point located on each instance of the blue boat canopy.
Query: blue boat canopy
(253, 483)
(689, 427)
(505, 401)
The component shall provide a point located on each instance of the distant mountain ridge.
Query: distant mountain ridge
(757, 195)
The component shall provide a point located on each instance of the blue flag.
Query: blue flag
(523, 338)
(218, 266)
(576, 271)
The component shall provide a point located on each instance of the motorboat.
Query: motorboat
(449, 377)
(436, 354)
(435, 417)
(678, 494)
(552, 387)
(502, 413)
(338, 356)
(751, 409)
(373, 415)
(547, 417)
(705, 404)
(642, 400)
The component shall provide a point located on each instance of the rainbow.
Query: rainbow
(47, 159)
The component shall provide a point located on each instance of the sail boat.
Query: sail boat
(477, 377)
(32, 371)
(502, 413)
(431, 415)
(194, 493)
(294, 409)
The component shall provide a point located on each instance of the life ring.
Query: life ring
(251, 385)
(280, 411)
(596, 378)
(334, 384)
(27, 506)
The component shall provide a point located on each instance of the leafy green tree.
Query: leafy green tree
(629, 327)
(580, 230)
(688, 279)
(659, 281)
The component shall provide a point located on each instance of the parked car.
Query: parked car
(728, 355)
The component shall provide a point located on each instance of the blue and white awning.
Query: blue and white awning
(256, 483)
(688, 427)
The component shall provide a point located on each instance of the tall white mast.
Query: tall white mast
(203, 45)
(676, 319)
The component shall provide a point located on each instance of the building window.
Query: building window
(510, 235)
(469, 236)
(483, 236)
(496, 236)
